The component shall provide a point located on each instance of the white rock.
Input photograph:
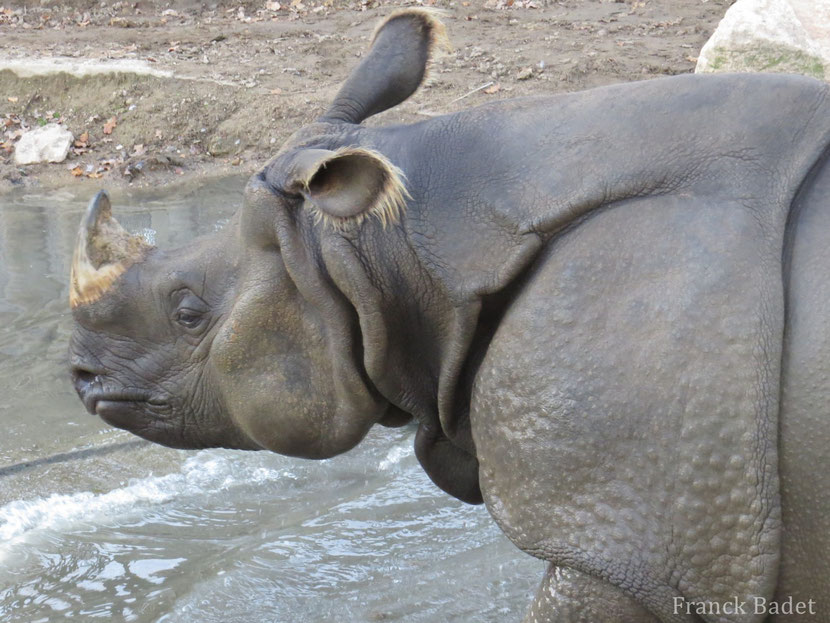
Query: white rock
(791, 36)
(50, 143)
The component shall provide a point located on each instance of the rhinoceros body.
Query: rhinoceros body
(605, 310)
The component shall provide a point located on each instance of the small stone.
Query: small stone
(525, 74)
(50, 143)
(217, 147)
(122, 22)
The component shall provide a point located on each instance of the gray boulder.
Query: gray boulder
(788, 36)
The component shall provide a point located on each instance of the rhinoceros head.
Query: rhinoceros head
(237, 339)
(138, 351)
(241, 339)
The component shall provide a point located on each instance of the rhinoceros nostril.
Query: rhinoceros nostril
(83, 379)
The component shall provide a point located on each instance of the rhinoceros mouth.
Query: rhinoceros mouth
(97, 393)
(99, 403)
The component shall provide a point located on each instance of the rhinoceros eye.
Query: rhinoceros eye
(189, 318)
(191, 311)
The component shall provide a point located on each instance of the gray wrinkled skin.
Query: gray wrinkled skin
(605, 310)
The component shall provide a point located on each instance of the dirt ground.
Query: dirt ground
(248, 74)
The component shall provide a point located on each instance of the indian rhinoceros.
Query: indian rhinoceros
(607, 312)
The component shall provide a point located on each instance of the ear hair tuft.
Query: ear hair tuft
(389, 203)
(439, 41)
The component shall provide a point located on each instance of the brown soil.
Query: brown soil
(251, 73)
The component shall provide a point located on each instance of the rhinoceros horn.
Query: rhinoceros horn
(103, 251)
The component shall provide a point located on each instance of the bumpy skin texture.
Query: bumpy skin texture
(588, 306)
(805, 396)
(567, 595)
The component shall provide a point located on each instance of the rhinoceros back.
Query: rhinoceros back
(487, 181)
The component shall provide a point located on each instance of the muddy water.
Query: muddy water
(95, 525)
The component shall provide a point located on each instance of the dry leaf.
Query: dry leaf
(77, 171)
(493, 89)
(82, 140)
(109, 126)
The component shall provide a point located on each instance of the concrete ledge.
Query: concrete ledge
(45, 67)
(29, 68)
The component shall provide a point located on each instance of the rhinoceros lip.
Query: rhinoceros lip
(95, 402)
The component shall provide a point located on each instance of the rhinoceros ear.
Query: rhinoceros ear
(348, 185)
(103, 251)
(395, 66)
